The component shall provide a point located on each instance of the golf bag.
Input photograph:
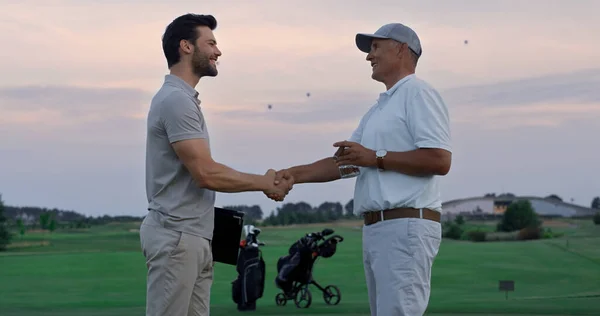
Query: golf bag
(294, 266)
(294, 271)
(249, 285)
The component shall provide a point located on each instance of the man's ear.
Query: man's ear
(186, 46)
(399, 48)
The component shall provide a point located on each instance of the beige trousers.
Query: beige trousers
(398, 255)
(180, 271)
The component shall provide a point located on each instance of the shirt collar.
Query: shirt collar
(399, 83)
(385, 96)
(178, 82)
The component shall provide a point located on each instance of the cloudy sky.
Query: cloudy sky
(78, 77)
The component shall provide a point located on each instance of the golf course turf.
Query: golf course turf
(101, 271)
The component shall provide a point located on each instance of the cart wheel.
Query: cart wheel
(303, 298)
(280, 299)
(332, 295)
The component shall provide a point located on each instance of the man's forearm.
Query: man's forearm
(420, 162)
(221, 178)
(324, 170)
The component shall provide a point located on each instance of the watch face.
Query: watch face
(381, 153)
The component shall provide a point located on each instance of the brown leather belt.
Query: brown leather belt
(375, 216)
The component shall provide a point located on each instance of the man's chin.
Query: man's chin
(210, 72)
(375, 76)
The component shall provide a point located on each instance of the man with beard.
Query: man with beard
(182, 177)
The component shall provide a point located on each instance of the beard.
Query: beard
(201, 65)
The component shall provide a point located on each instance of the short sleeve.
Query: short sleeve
(428, 120)
(182, 118)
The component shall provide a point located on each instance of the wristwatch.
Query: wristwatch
(380, 155)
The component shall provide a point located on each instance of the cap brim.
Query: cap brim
(363, 41)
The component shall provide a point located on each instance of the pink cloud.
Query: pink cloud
(120, 44)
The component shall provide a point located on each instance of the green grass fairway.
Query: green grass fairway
(101, 272)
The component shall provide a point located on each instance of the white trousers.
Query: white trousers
(398, 255)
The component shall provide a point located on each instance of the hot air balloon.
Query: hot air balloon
(269, 106)
(308, 94)
(466, 42)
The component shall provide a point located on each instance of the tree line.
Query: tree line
(304, 213)
(18, 220)
(21, 219)
(296, 213)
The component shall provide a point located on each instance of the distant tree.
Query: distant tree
(597, 218)
(52, 224)
(554, 197)
(459, 220)
(519, 214)
(5, 235)
(490, 195)
(451, 230)
(14, 212)
(82, 223)
(44, 220)
(349, 207)
(596, 203)
(271, 220)
(331, 210)
(508, 194)
(21, 227)
(301, 207)
(304, 213)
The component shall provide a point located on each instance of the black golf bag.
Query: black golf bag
(294, 271)
(294, 266)
(249, 285)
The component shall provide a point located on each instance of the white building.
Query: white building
(490, 205)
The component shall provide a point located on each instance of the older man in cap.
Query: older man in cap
(401, 147)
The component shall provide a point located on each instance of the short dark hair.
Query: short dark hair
(183, 28)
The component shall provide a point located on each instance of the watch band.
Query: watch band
(380, 163)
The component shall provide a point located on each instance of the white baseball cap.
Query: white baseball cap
(395, 31)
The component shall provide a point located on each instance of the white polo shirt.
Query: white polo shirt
(408, 116)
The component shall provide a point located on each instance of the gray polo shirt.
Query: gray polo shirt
(175, 201)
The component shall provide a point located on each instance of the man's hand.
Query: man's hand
(283, 180)
(282, 184)
(285, 175)
(351, 153)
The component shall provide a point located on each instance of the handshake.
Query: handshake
(281, 182)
